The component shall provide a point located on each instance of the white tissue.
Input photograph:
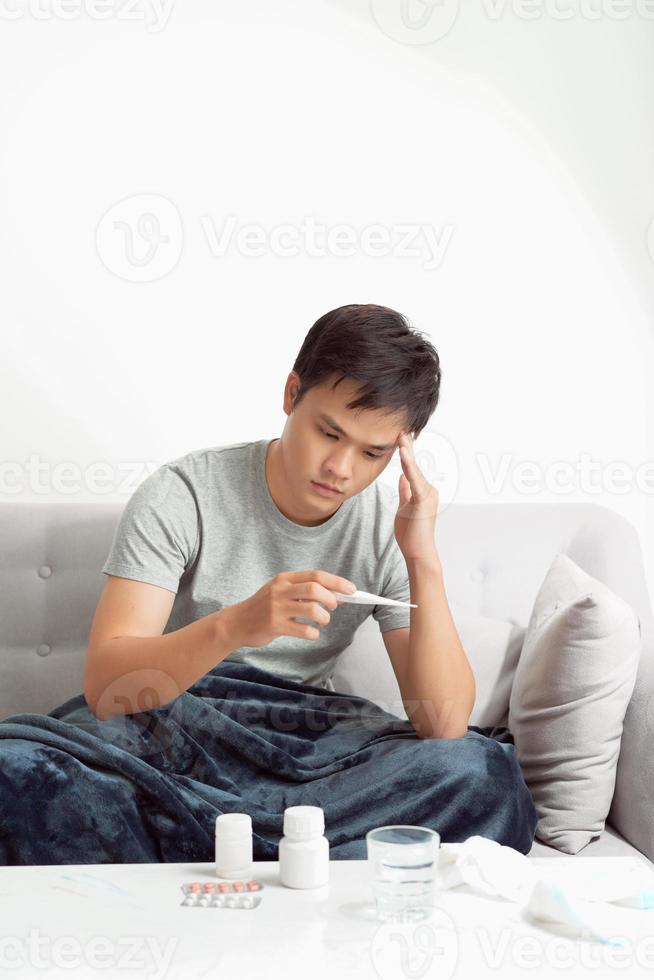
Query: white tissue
(550, 903)
(490, 868)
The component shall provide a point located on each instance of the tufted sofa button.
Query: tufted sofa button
(45, 571)
(43, 650)
(477, 575)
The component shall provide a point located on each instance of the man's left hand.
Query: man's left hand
(415, 521)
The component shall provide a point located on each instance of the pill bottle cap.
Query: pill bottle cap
(233, 825)
(303, 821)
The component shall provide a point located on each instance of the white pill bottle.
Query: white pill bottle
(304, 850)
(234, 845)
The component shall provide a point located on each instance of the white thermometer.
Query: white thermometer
(367, 598)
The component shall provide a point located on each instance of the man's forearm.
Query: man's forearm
(129, 674)
(439, 686)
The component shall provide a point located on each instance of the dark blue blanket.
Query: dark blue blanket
(147, 787)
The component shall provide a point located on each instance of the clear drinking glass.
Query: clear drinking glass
(403, 862)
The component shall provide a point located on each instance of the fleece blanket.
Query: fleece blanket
(147, 787)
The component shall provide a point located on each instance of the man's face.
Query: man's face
(327, 443)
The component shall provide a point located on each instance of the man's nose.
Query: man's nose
(340, 465)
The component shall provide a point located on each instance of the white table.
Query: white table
(129, 917)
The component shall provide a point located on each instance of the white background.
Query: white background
(521, 135)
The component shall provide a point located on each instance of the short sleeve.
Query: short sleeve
(395, 585)
(156, 537)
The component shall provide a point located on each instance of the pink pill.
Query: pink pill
(238, 886)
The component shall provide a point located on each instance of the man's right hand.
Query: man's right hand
(269, 613)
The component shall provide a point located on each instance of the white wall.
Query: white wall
(516, 155)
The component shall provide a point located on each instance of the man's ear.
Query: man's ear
(291, 391)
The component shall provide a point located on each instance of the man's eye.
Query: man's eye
(330, 435)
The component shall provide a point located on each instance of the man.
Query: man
(201, 534)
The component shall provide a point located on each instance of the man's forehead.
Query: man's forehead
(340, 424)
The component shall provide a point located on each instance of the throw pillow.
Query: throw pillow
(571, 689)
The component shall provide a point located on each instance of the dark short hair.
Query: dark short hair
(397, 367)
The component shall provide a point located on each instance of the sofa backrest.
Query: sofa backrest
(494, 557)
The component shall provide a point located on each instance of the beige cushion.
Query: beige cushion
(572, 685)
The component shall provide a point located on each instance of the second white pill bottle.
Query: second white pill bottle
(304, 850)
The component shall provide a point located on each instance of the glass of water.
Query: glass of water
(403, 862)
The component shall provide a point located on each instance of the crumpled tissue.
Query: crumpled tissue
(490, 868)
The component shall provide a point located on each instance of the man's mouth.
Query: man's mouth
(325, 489)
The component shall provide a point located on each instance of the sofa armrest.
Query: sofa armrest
(632, 807)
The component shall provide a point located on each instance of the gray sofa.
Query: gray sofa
(494, 556)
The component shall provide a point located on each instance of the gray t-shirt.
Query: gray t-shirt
(206, 527)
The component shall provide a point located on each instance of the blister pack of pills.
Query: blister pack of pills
(222, 894)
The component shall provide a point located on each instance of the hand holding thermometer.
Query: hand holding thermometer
(367, 598)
